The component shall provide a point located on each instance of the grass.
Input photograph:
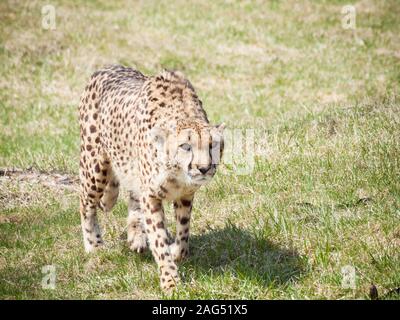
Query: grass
(324, 193)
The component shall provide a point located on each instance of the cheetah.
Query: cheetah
(151, 136)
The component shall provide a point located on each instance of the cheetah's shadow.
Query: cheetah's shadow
(245, 255)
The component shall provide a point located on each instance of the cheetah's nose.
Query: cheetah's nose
(204, 170)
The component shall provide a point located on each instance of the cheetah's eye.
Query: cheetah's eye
(186, 146)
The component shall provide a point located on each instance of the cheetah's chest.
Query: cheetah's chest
(128, 176)
(172, 188)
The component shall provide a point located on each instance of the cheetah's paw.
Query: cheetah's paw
(138, 243)
(178, 253)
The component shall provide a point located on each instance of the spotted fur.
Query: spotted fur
(151, 136)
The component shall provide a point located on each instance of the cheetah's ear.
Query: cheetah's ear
(220, 127)
(158, 136)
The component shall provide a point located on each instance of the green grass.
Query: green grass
(325, 194)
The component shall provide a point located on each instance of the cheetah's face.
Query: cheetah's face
(196, 153)
(199, 153)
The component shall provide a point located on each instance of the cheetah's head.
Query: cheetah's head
(192, 152)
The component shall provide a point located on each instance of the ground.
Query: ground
(325, 196)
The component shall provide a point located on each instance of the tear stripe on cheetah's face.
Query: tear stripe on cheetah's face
(190, 153)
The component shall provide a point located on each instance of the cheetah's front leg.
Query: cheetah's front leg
(158, 241)
(183, 209)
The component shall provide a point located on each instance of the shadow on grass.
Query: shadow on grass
(246, 255)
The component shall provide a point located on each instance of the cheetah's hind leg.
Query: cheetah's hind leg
(137, 238)
(90, 227)
(95, 192)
